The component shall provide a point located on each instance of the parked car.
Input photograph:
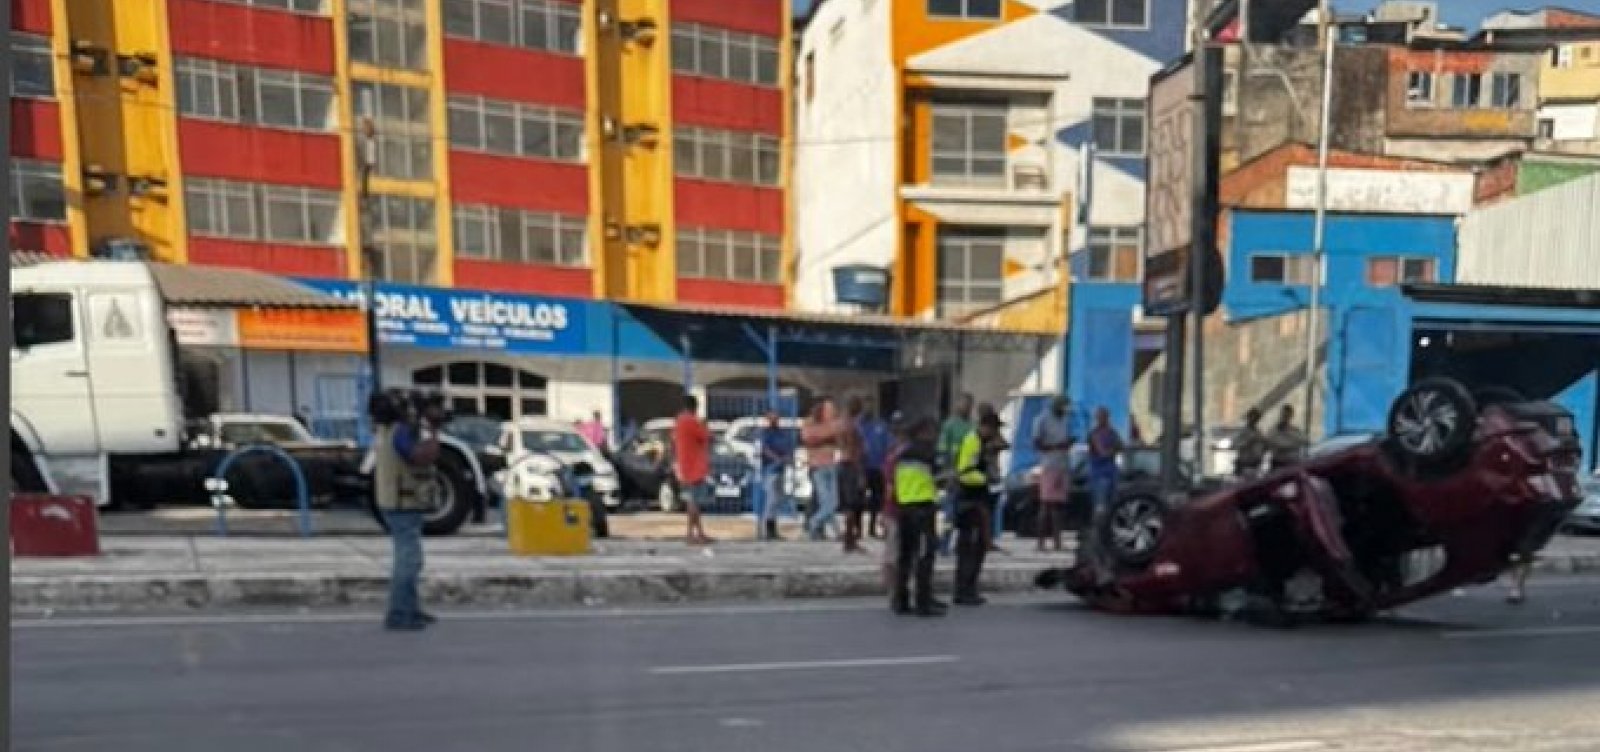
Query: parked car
(1586, 518)
(523, 438)
(1441, 501)
(644, 467)
(744, 435)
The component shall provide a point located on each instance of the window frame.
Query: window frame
(289, 6)
(692, 145)
(965, 13)
(763, 54)
(24, 44)
(698, 245)
(1403, 265)
(1470, 84)
(965, 240)
(1428, 81)
(400, 134)
(1121, 111)
(967, 114)
(500, 222)
(1504, 84)
(1110, 14)
(1296, 268)
(27, 172)
(553, 119)
(407, 17)
(255, 224)
(1108, 241)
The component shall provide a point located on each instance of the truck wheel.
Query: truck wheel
(456, 495)
(1432, 422)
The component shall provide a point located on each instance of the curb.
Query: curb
(506, 590)
(509, 590)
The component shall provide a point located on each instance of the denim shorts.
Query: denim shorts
(698, 493)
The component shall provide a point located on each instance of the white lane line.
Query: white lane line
(1486, 634)
(1293, 745)
(733, 668)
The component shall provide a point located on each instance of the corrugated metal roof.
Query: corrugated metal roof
(212, 286)
(217, 287)
(873, 321)
(1548, 239)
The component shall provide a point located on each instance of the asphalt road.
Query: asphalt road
(1463, 673)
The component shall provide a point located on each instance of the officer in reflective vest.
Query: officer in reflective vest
(916, 490)
(976, 473)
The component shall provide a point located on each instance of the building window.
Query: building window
(208, 89)
(1114, 253)
(1419, 89)
(1280, 269)
(729, 255)
(403, 234)
(969, 143)
(964, 8)
(37, 193)
(400, 119)
(1466, 90)
(1547, 128)
(726, 156)
(971, 274)
(1230, 92)
(1385, 271)
(1126, 13)
(389, 33)
(513, 235)
(549, 25)
(720, 53)
(32, 66)
(1505, 91)
(255, 96)
(318, 7)
(267, 213)
(1119, 127)
(516, 130)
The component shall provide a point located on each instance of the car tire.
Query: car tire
(1431, 423)
(460, 495)
(1132, 529)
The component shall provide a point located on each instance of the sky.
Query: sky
(1465, 13)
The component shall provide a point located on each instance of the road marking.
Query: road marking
(1294, 745)
(1485, 634)
(733, 668)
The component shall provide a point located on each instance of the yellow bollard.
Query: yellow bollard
(548, 528)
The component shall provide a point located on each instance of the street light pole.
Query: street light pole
(1320, 225)
(368, 151)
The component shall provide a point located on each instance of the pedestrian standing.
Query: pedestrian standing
(822, 454)
(1250, 446)
(957, 425)
(777, 457)
(852, 474)
(405, 447)
(916, 497)
(876, 439)
(975, 476)
(594, 430)
(1287, 443)
(691, 451)
(1053, 440)
(900, 440)
(1105, 445)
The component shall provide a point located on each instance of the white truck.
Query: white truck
(97, 403)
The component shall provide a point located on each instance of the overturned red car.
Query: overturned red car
(1456, 491)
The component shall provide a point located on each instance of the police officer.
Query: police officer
(916, 491)
(976, 473)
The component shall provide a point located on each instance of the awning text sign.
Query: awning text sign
(451, 319)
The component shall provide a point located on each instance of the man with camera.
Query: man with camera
(406, 446)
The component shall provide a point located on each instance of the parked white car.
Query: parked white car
(744, 435)
(530, 444)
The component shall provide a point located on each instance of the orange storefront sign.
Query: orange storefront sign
(296, 329)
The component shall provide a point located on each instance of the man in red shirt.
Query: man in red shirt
(691, 449)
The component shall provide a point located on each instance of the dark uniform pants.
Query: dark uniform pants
(919, 543)
(972, 538)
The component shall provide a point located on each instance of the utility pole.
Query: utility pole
(367, 149)
(1320, 224)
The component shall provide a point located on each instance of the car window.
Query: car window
(41, 319)
(262, 433)
(476, 432)
(553, 441)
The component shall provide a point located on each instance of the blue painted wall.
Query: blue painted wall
(1100, 347)
(1351, 240)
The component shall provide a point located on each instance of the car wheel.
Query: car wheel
(1432, 422)
(454, 495)
(1132, 529)
(667, 497)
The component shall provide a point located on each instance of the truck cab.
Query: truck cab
(93, 369)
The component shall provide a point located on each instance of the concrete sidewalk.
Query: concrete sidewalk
(151, 571)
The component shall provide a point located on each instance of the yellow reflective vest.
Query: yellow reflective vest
(969, 462)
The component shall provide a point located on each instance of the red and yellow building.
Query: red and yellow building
(618, 149)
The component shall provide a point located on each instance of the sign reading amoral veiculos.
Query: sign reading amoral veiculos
(449, 319)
